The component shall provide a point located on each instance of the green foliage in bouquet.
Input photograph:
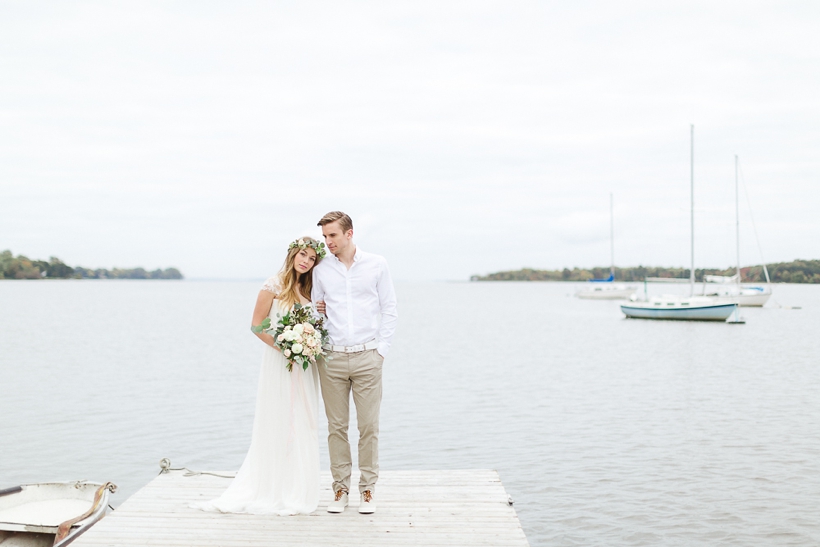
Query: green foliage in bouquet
(262, 327)
(298, 334)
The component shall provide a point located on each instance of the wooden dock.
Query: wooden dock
(428, 508)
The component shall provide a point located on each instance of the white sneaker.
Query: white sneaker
(368, 504)
(339, 502)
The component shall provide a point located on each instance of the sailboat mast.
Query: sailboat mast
(611, 237)
(737, 222)
(692, 208)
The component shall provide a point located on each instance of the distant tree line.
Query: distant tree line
(796, 271)
(21, 267)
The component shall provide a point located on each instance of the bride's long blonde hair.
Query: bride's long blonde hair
(293, 283)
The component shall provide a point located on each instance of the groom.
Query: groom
(361, 319)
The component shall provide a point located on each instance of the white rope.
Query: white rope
(165, 467)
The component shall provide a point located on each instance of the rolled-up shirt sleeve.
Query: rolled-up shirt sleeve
(389, 310)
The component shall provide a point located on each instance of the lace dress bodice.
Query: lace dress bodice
(272, 285)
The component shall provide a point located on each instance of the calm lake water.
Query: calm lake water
(605, 431)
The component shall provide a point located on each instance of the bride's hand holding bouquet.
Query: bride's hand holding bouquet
(298, 334)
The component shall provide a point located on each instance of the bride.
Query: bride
(280, 474)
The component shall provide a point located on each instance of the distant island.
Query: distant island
(796, 271)
(21, 267)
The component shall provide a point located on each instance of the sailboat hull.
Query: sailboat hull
(752, 296)
(747, 300)
(606, 293)
(710, 312)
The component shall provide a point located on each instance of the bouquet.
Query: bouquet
(298, 334)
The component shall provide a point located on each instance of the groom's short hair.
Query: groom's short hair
(345, 222)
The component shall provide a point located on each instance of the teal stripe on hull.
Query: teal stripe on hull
(720, 312)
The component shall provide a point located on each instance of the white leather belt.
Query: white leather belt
(352, 349)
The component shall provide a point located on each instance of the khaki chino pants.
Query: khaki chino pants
(361, 373)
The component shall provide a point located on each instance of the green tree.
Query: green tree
(22, 268)
(56, 268)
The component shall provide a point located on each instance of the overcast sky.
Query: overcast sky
(462, 137)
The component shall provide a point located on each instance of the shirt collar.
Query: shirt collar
(356, 256)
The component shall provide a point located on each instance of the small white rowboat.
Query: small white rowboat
(50, 514)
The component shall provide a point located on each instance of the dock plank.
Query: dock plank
(432, 508)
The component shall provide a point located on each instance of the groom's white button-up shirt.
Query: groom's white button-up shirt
(361, 301)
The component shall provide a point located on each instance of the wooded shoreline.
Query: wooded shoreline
(22, 267)
(796, 271)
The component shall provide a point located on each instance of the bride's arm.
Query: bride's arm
(263, 304)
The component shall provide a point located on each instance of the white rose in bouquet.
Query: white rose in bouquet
(299, 335)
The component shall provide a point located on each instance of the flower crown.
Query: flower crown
(313, 244)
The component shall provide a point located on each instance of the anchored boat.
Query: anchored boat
(732, 288)
(691, 308)
(51, 514)
(728, 289)
(676, 308)
(606, 289)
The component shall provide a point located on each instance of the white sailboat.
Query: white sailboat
(673, 307)
(607, 289)
(741, 294)
(730, 289)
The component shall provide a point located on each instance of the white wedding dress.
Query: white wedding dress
(280, 474)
